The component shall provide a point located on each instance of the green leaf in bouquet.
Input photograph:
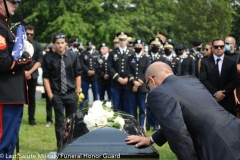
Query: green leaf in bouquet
(110, 119)
(116, 125)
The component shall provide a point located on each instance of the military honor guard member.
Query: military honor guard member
(62, 80)
(137, 65)
(173, 62)
(13, 94)
(116, 42)
(196, 52)
(187, 61)
(117, 64)
(89, 60)
(155, 55)
(162, 36)
(103, 77)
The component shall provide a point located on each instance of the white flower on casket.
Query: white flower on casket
(121, 121)
(109, 104)
(101, 121)
(97, 104)
(89, 121)
(109, 114)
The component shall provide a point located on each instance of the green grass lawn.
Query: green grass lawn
(41, 140)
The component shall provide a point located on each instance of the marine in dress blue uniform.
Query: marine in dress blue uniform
(103, 77)
(117, 64)
(137, 65)
(89, 60)
(13, 92)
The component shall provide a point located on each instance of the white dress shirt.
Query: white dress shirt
(219, 63)
(123, 50)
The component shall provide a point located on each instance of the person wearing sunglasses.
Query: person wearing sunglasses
(31, 73)
(62, 81)
(12, 79)
(192, 122)
(207, 52)
(219, 75)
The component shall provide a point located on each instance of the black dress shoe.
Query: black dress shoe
(33, 123)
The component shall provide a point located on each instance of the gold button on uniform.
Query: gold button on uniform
(13, 72)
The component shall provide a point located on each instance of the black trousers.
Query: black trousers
(48, 108)
(32, 83)
(61, 102)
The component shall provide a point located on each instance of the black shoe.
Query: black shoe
(33, 123)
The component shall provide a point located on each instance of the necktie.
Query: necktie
(217, 66)
(63, 77)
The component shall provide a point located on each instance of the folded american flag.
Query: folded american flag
(18, 47)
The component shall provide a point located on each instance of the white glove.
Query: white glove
(28, 47)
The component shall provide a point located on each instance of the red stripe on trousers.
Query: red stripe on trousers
(1, 125)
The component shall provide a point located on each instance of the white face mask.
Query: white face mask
(183, 55)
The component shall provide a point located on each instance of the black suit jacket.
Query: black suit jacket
(209, 76)
(192, 122)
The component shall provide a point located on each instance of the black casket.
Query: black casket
(103, 143)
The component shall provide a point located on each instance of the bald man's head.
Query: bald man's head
(160, 71)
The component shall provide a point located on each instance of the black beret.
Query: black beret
(89, 43)
(138, 41)
(170, 41)
(180, 47)
(73, 40)
(103, 45)
(196, 43)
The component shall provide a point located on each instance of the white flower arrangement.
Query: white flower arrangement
(100, 115)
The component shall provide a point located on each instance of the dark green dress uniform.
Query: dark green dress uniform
(136, 69)
(88, 62)
(117, 64)
(158, 57)
(103, 84)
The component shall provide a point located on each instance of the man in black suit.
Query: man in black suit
(193, 123)
(218, 73)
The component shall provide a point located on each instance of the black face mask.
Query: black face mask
(155, 49)
(80, 50)
(167, 51)
(75, 45)
(138, 50)
(89, 49)
(199, 49)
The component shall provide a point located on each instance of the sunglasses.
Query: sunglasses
(221, 47)
(228, 43)
(14, 2)
(206, 49)
(60, 36)
(148, 83)
(29, 34)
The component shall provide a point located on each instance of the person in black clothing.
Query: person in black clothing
(62, 78)
(187, 61)
(103, 78)
(230, 50)
(52, 49)
(31, 73)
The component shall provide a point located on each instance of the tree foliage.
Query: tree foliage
(97, 20)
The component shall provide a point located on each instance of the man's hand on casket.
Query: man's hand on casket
(138, 141)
